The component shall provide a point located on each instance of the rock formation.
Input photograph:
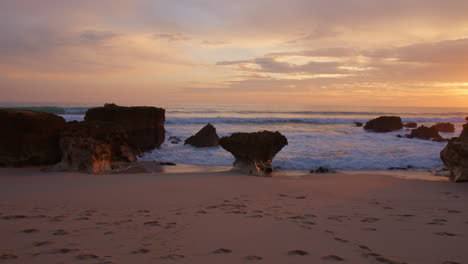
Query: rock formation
(93, 146)
(144, 126)
(206, 137)
(29, 138)
(254, 152)
(444, 127)
(384, 124)
(358, 124)
(455, 156)
(424, 132)
(411, 125)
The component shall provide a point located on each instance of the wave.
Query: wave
(239, 120)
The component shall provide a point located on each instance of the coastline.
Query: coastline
(228, 217)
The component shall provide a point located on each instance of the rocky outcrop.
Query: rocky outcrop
(254, 152)
(29, 138)
(358, 124)
(411, 125)
(384, 124)
(455, 156)
(93, 146)
(424, 132)
(206, 137)
(143, 125)
(444, 127)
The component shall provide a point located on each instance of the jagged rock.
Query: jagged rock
(455, 156)
(424, 132)
(93, 146)
(399, 136)
(143, 125)
(29, 138)
(411, 125)
(254, 152)
(444, 127)
(358, 124)
(206, 137)
(384, 124)
(175, 140)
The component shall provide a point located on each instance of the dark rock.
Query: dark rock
(143, 125)
(424, 132)
(93, 146)
(254, 152)
(455, 156)
(444, 127)
(165, 163)
(29, 138)
(175, 140)
(399, 136)
(206, 137)
(384, 124)
(411, 125)
(358, 124)
(322, 170)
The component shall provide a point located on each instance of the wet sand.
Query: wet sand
(227, 217)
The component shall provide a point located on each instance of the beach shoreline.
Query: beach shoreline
(229, 217)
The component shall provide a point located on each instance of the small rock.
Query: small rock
(297, 252)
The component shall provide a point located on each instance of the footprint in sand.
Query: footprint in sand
(173, 257)
(14, 217)
(82, 219)
(369, 220)
(255, 216)
(387, 208)
(444, 234)
(341, 240)
(450, 262)
(252, 258)
(369, 229)
(333, 258)
(141, 251)
(152, 223)
(170, 225)
(439, 222)
(63, 250)
(8, 256)
(222, 251)
(297, 252)
(86, 256)
(29, 231)
(301, 197)
(364, 247)
(60, 232)
(453, 212)
(42, 243)
(201, 212)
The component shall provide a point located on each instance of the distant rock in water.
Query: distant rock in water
(175, 140)
(358, 124)
(206, 137)
(384, 124)
(455, 156)
(29, 138)
(93, 146)
(444, 127)
(411, 125)
(143, 125)
(424, 132)
(254, 152)
(322, 170)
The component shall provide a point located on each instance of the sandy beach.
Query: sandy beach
(227, 217)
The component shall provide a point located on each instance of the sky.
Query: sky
(307, 52)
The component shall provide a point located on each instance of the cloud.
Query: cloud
(172, 37)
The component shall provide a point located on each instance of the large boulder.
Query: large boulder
(144, 125)
(29, 138)
(424, 132)
(455, 156)
(444, 127)
(384, 124)
(206, 137)
(254, 152)
(93, 146)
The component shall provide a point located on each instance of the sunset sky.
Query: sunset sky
(327, 52)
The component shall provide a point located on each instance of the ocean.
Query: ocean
(318, 136)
